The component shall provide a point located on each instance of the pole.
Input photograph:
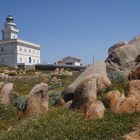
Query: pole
(93, 58)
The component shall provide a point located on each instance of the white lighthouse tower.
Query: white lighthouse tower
(9, 31)
(14, 51)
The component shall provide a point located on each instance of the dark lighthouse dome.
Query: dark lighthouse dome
(9, 18)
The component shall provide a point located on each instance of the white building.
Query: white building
(71, 61)
(14, 51)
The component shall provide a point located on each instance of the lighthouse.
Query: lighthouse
(14, 51)
(9, 31)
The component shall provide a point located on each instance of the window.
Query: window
(20, 49)
(25, 50)
(30, 60)
(20, 59)
(2, 49)
(29, 50)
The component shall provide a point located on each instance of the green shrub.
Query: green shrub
(118, 80)
(12, 74)
(20, 103)
(53, 97)
(62, 124)
(116, 76)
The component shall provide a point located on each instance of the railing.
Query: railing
(54, 66)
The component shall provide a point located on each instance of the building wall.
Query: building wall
(9, 35)
(12, 54)
(13, 36)
(71, 61)
(77, 64)
(28, 55)
(8, 54)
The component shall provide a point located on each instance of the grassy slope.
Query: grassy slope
(24, 84)
(62, 124)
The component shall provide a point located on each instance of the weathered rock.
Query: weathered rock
(84, 93)
(1, 86)
(86, 86)
(43, 76)
(60, 102)
(68, 104)
(114, 98)
(3, 76)
(62, 70)
(38, 73)
(119, 103)
(134, 135)
(68, 73)
(134, 88)
(6, 94)
(124, 56)
(54, 79)
(135, 74)
(37, 101)
(94, 110)
(56, 71)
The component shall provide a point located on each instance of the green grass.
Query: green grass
(8, 116)
(24, 84)
(60, 123)
(65, 80)
(63, 124)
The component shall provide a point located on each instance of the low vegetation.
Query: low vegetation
(60, 123)
(118, 80)
(116, 76)
(23, 84)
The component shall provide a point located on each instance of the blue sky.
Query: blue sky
(80, 28)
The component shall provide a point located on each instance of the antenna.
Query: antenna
(93, 58)
(9, 13)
